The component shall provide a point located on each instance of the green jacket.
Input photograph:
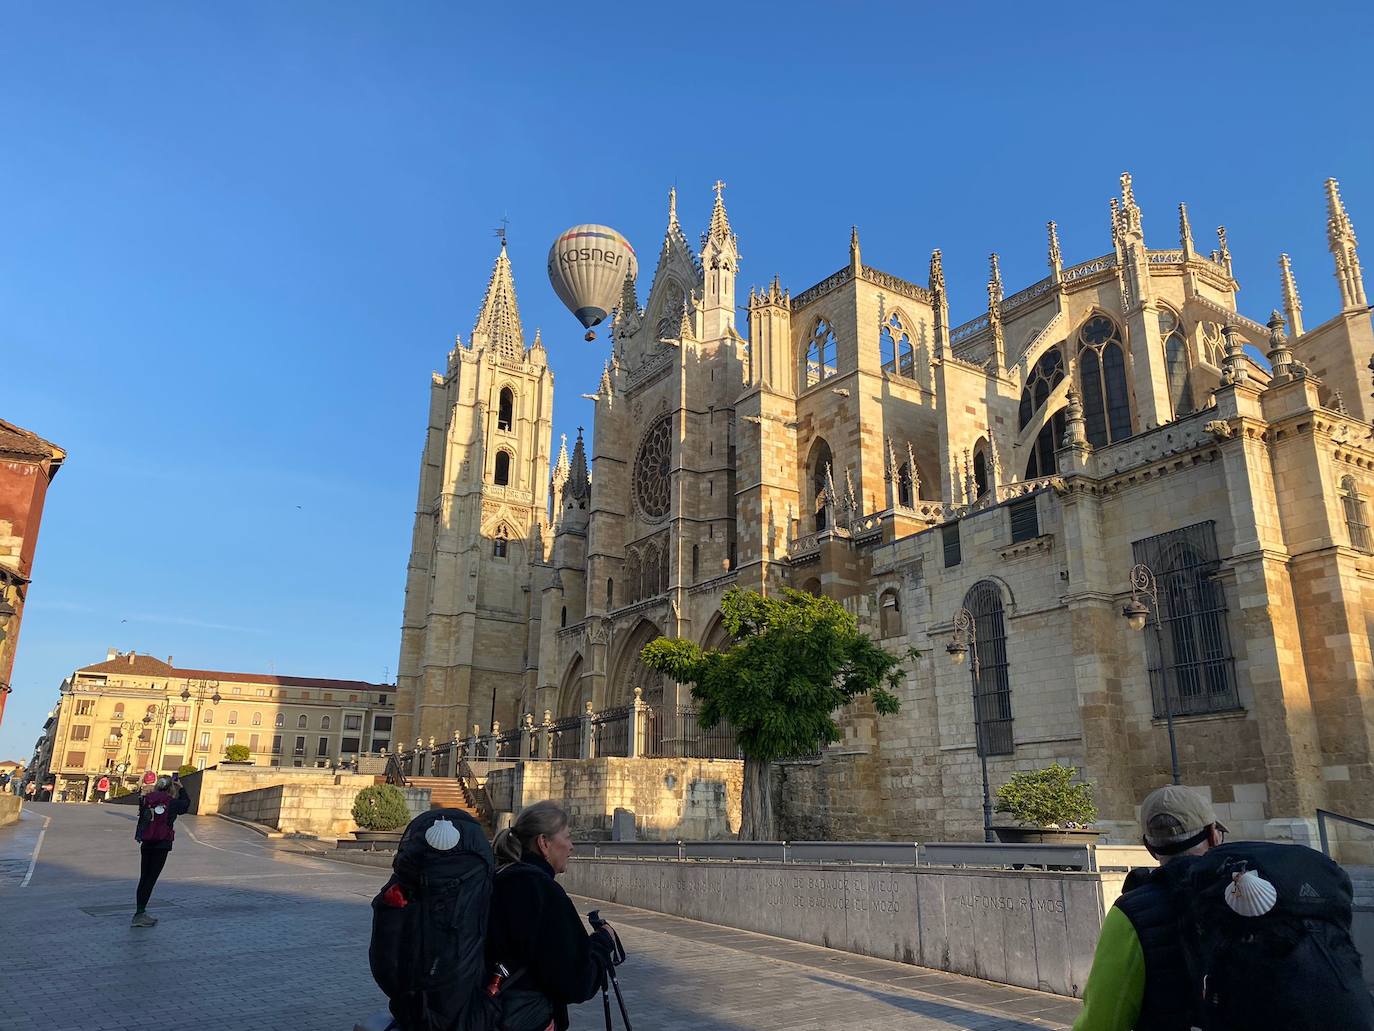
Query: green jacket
(1116, 984)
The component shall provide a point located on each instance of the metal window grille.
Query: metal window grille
(611, 731)
(1189, 654)
(1355, 523)
(949, 537)
(1025, 520)
(992, 690)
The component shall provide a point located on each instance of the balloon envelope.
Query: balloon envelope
(587, 267)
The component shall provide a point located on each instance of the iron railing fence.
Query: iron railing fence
(611, 732)
(567, 738)
(697, 742)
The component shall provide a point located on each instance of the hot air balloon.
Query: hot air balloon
(587, 267)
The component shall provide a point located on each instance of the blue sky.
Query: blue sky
(235, 239)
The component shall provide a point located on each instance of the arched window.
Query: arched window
(300, 722)
(890, 612)
(563, 617)
(502, 468)
(980, 472)
(992, 691)
(151, 711)
(651, 571)
(633, 576)
(895, 345)
(1213, 345)
(502, 541)
(233, 718)
(257, 719)
(822, 462)
(1176, 363)
(610, 593)
(696, 562)
(1356, 520)
(208, 716)
(813, 587)
(1049, 440)
(324, 722)
(1102, 374)
(280, 721)
(505, 410)
(821, 354)
(904, 493)
(1047, 374)
(118, 713)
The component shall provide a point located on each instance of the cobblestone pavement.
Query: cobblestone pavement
(254, 936)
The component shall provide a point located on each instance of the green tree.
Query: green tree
(796, 658)
(186, 769)
(237, 754)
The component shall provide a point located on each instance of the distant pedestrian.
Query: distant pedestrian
(158, 810)
(30, 791)
(1229, 937)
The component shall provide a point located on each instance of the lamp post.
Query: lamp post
(965, 641)
(124, 731)
(201, 690)
(164, 716)
(1137, 614)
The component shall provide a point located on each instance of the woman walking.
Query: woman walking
(534, 927)
(158, 810)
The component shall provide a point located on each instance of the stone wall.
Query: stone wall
(1028, 928)
(206, 787)
(323, 810)
(695, 799)
(10, 807)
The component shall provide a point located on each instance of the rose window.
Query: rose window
(653, 466)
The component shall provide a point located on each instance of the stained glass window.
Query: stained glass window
(1102, 375)
(653, 469)
(821, 354)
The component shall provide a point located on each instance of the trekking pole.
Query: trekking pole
(617, 958)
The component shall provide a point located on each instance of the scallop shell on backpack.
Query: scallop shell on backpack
(442, 835)
(1249, 894)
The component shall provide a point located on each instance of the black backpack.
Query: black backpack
(429, 937)
(1294, 967)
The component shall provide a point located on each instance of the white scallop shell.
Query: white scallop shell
(442, 835)
(1249, 894)
(159, 809)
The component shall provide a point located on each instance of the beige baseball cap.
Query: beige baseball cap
(1173, 814)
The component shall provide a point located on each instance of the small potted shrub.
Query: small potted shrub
(381, 813)
(237, 754)
(1048, 807)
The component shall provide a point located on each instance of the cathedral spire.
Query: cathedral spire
(627, 316)
(1223, 251)
(579, 483)
(1340, 235)
(498, 323)
(1292, 303)
(1185, 232)
(1056, 256)
(855, 260)
(720, 222)
(561, 466)
(937, 271)
(672, 208)
(1130, 210)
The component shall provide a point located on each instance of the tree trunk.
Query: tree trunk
(756, 802)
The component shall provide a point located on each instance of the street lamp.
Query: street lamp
(1145, 587)
(966, 641)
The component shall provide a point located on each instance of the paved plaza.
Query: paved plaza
(258, 935)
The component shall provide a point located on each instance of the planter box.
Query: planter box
(1046, 835)
(378, 839)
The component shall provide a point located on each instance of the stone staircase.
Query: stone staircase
(445, 793)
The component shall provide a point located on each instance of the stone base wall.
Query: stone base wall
(696, 799)
(1028, 928)
(322, 810)
(10, 808)
(207, 786)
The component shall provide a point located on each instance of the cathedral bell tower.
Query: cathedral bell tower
(719, 264)
(480, 520)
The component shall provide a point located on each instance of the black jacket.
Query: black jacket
(534, 927)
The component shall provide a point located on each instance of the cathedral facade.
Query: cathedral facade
(1111, 447)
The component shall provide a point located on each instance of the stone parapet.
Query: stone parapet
(1028, 928)
(321, 810)
(207, 787)
(10, 808)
